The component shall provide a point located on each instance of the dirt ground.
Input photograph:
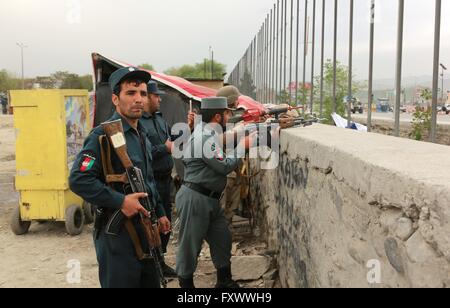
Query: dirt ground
(42, 257)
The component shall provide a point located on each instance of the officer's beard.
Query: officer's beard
(223, 124)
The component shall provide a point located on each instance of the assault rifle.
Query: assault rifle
(115, 134)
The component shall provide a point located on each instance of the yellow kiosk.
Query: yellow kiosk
(51, 126)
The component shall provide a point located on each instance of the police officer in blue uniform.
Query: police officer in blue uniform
(119, 265)
(198, 200)
(159, 134)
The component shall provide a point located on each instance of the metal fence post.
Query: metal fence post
(296, 52)
(370, 89)
(322, 56)
(350, 66)
(335, 54)
(290, 53)
(398, 93)
(437, 45)
(312, 55)
(305, 51)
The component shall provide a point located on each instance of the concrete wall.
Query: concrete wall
(341, 198)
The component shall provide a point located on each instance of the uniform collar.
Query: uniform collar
(126, 126)
(147, 115)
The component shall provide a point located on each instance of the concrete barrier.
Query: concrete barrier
(351, 209)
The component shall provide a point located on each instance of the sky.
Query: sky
(61, 34)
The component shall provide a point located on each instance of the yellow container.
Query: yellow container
(51, 126)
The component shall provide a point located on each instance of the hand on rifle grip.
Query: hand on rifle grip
(131, 205)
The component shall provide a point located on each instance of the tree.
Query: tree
(9, 81)
(426, 95)
(66, 80)
(246, 86)
(147, 66)
(421, 122)
(341, 89)
(199, 70)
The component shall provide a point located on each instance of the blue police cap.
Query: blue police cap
(128, 73)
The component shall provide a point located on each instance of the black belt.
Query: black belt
(204, 191)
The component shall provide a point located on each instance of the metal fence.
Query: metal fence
(270, 70)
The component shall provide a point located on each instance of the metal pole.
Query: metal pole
(251, 65)
(322, 57)
(285, 43)
(312, 55)
(305, 50)
(290, 54)
(335, 55)
(260, 64)
(401, 9)
(370, 98)
(276, 54)
(273, 57)
(267, 57)
(257, 67)
(22, 46)
(437, 45)
(269, 86)
(281, 45)
(350, 66)
(261, 82)
(296, 53)
(23, 73)
(265, 60)
(263, 66)
(254, 64)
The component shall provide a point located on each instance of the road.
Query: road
(442, 118)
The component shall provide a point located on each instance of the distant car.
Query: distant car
(356, 106)
(402, 108)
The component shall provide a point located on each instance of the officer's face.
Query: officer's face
(226, 116)
(154, 103)
(130, 102)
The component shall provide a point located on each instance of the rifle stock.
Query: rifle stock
(114, 131)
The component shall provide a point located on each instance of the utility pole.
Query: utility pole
(22, 46)
(212, 62)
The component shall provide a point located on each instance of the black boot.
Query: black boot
(168, 271)
(187, 283)
(224, 280)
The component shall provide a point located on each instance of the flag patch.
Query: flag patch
(87, 163)
(219, 155)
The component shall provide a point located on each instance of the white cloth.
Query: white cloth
(342, 122)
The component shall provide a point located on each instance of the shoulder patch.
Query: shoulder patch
(218, 154)
(87, 162)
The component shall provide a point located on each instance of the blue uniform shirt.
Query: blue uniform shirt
(206, 163)
(87, 178)
(158, 132)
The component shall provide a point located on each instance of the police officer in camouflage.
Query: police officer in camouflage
(197, 202)
(159, 134)
(119, 266)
